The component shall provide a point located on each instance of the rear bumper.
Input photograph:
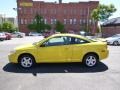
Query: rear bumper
(2, 38)
(104, 54)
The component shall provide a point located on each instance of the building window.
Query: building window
(55, 20)
(52, 21)
(45, 21)
(81, 12)
(25, 10)
(34, 20)
(65, 11)
(38, 11)
(31, 10)
(84, 21)
(80, 21)
(71, 11)
(21, 10)
(55, 11)
(90, 21)
(52, 11)
(31, 20)
(21, 21)
(41, 11)
(65, 21)
(25, 21)
(45, 11)
(75, 11)
(70, 21)
(74, 21)
(42, 20)
(85, 11)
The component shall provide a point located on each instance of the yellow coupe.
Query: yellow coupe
(60, 48)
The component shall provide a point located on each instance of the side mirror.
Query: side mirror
(43, 45)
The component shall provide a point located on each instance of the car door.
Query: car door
(54, 50)
(78, 47)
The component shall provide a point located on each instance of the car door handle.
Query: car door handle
(67, 48)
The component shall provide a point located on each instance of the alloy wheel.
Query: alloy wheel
(26, 61)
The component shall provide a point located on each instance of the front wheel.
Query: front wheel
(26, 61)
(115, 43)
(90, 60)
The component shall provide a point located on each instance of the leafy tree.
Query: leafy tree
(8, 27)
(32, 26)
(103, 12)
(38, 25)
(0, 27)
(59, 26)
(48, 27)
(15, 29)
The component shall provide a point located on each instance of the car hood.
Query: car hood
(26, 46)
(111, 38)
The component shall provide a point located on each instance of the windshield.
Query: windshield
(116, 36)
(91, 39)
(34, 43)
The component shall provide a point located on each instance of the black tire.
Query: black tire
(19, 36)
(116, 43)
(26, 61)
(90, 60)
(1, 39)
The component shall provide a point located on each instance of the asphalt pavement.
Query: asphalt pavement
(69, 76)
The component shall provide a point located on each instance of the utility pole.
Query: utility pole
(88, 10)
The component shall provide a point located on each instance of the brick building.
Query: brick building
(111, 27)
(75, 16)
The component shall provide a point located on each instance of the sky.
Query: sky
(6, 6)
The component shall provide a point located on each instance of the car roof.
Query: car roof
(71, 35)
(67, 34)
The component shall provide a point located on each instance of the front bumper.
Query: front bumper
(13, 58)
(109, 43)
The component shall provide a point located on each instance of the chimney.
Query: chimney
(60, 1)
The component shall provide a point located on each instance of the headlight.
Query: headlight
(13, 51)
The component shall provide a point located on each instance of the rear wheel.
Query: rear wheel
(19, 36)
(26, 61)
(115, 43)
(90, 60)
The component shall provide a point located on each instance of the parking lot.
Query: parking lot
(69, 76)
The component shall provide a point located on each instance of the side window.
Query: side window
(56, 41)
(74, 40)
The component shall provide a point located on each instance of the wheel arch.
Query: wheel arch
(25, 54)
(94, 53)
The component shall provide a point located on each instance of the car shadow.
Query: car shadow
(56, 68)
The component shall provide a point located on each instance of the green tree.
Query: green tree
(38, 25)
(48, 27)
(32, 26)
(103, 12)
(0, 27)
(8, 27)
(59, 26)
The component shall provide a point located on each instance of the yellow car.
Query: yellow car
(60, 48)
